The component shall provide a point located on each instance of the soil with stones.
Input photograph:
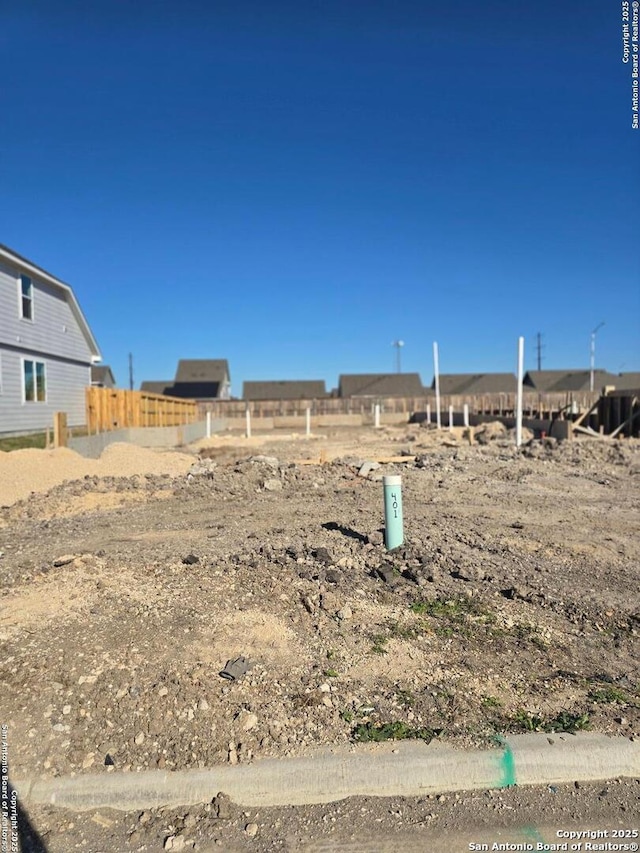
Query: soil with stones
(513, 606)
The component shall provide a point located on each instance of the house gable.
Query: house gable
(202, 379)
(56, 325)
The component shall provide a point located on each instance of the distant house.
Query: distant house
(476, 383)
(47, 349)
(555, 381)
(202, 379)
(285, 389)
(157, 386)
(196, 379)
(627, 382)
(381, 385)
(102, 376)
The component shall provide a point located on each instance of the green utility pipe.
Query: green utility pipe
(393, 526)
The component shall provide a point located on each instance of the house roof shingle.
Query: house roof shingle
(200, 370)
(627, 381)
(285, 389)
(154, 386)
(476, 383)
(493, 383)
(551, 381)
(381, 385)
(452, 383)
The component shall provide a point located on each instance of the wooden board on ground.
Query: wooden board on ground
(381, 459)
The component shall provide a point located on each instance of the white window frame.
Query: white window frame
(34, 362)
(21, 298)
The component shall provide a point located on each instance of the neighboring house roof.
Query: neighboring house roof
(452, 383)
(196, 379)
(202, 370)
(550, 381)
(380, 385)
(627, 381)
(30, 268)
(493, 383)
(543, 380)
(476, 383)
(285, 389)
(201, 379)
(153, 386)
(581, 381)
(101, 374)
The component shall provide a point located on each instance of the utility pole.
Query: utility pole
(593, 355)
(130, 371)
(398, 345)
(539, 349)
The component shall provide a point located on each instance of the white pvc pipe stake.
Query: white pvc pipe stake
(248, 416)
(465, 414)
(436, 374)
(208, 424)
(428, 413)
(450, 418)
(376, 416)
(519, 393)
(308, 421)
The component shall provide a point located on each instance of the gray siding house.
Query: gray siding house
(46, 348)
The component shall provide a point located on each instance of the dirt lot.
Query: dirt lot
(513, 606)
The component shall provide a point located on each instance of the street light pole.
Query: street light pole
(593, 355)
(398, 345)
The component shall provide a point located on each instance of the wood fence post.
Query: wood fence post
(60, 429)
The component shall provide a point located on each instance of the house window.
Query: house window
(35, 390)
(26, 287)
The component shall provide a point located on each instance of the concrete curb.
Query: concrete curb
(397, 769)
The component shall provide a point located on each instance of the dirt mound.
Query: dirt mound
(23, 472)
(490, 432)
(513, 606)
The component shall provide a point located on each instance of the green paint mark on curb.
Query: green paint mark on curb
(507, 766)
(532, 834)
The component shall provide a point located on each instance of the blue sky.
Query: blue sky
(294, 186)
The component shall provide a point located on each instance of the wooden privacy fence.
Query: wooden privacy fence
(479, 404)
(109, 408)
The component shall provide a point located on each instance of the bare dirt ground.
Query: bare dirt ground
(127, 586)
